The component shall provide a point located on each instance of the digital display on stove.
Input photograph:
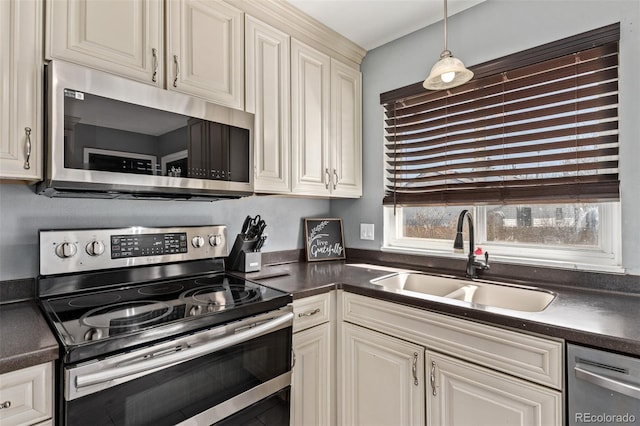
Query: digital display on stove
(148, 244)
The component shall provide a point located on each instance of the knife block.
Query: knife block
(242, 257)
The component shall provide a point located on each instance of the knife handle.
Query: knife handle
(245, 225)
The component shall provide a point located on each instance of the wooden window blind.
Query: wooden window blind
(537, 126)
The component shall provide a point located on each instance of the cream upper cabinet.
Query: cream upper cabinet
(326, 108)
(346, 130)
(462, 394)
(267, 58)
(21, 90)
(383, 379)
(205, 50)
(310, 107)
(124, 37)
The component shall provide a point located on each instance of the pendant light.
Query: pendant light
(449, 71)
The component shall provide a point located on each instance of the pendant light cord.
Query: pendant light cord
(445, 26)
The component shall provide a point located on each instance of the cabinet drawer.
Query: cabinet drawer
(26, 395)
(312, 311)
(533, 358)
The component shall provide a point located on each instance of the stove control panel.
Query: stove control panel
(65, 251)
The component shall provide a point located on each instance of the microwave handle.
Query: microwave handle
(184, 355)
(608, 383)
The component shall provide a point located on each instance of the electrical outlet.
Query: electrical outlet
(366, 231)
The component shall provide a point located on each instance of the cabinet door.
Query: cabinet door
(267, 85)
(123, 37)
(462, 394)
(205, 51)
(312, 372)
(310, 93)
(26, 395)
(346, 130)
(21, 90)
(383, 379)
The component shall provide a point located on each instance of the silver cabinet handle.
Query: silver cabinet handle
(154, 53)
(27, 148)
(608, 383)
(183, 355)
(175, 61)
(6, 404)
(309, 313)
(433, 378)
(414, 368)
(335, 182)
(293, 358)
(328, 178)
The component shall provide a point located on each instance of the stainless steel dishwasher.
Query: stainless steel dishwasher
(603, 387)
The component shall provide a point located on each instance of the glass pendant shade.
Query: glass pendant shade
(446, 73)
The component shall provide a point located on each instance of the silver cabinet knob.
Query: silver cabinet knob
(95, 248)
(66, 250)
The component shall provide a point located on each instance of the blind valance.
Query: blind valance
(546, 131)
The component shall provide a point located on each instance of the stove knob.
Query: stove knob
(197, 241)
(93, 334)
(65, 250)
(95, 248)
(194, 311)
(215, 240)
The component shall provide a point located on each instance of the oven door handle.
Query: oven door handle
(119, 372)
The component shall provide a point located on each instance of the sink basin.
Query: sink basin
(506, 296)
(420, 283)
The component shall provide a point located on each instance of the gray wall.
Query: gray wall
(488, 31)
(23, 213)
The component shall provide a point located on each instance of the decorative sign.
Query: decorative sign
(324, 239)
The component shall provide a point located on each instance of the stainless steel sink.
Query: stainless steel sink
(498, 295)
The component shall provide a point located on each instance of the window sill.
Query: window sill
(513, 260)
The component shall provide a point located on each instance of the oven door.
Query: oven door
(233, 372)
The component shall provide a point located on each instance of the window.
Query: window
(530, 146)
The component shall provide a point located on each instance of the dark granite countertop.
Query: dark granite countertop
(25, 336)
(602, 319)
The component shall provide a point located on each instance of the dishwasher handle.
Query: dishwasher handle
(182, 355)
(607, 383)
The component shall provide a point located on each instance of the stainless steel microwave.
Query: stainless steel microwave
(110, 137)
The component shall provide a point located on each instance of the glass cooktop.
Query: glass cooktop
(166, 307)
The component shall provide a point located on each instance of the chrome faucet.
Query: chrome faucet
(473, 265)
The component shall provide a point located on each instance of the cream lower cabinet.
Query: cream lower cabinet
(26, 396)
(464, 394)
(313, 383)
(311, 388)
(476, 374)
(21, 90)
(382, 379)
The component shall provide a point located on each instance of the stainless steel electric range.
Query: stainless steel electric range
(153, 331)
